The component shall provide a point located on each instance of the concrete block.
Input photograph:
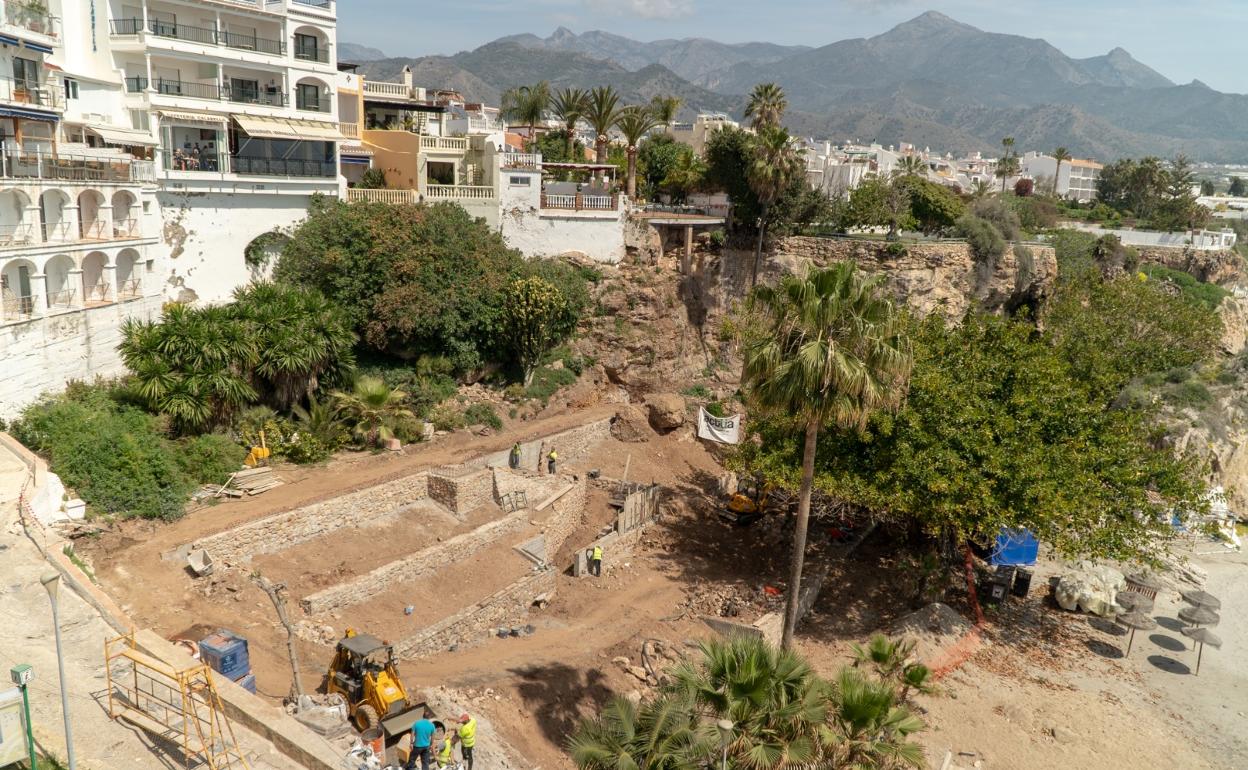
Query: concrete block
(731, 628)
(771, 626)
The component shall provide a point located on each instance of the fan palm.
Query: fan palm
(665, 108)
(1061, 155)
(833, 350)
(634, 123)
(778, 706)
(911, 165)
(980, 188)
(526, 106)
(1006, 168)
(569, 106)
(772, 168)
(657, 735)
(766, 105)
(873, 730)
(373, 408)
(601, 112)
(886, 657)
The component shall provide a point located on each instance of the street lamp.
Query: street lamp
(22, 675)
(725, 727)
(51, 580)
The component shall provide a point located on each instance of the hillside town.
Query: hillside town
(352, 420)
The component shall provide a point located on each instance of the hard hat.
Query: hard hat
(464, 717)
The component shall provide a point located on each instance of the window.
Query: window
(520, 181)
(306, 47)
(242, 90)
(71, 89)
(308, 97)
(26, 72)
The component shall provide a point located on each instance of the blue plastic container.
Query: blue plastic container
(1015, 548)
(226, 653)
(248, 683)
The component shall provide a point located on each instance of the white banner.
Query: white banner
(725, 430)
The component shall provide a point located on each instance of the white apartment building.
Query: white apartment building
(145, 144)
(1076, 180)
(700, 131)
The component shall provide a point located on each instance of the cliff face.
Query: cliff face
(937, 277)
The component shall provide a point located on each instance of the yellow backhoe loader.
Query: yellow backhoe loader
(364, 673)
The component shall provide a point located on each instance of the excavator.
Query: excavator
(364, 672)
(749, 503)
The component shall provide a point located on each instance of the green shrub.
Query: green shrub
(986, 241)
(546, 382)
(209, 458)
(1189, 394)
(896, 249)
(446, 418)
(1208, 294)
(482, 414)
(1001, 216)
(1178, 375)
(718, 239)
(716, 409)
(696, 391)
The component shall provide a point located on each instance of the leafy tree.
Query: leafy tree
(1238, 188)
(634, 123)
(665, 108)
(372, 179)
(986, 241)
(933, 207)
(375, 410)
(526, 105)
(601, 111)
(832, 352)
(1044, 451)
(1207, 188)
(766, 106)
(411, 279)
(302, 338)
(1023, 188)
(192, 365)
(569, 105)
(555, 148)
(685, 176)
(730, 155)
(774, 165)
(1061, 155)
(911, 165)
(656, 155)
(533, 310)
(879, 202)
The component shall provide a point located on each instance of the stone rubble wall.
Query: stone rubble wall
(280, 531)
(571, 445)
(1221, 267)
(462, 492)
(565, 514)
(507, 607)
(414, 567)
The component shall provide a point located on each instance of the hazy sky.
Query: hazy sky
(1189, 40)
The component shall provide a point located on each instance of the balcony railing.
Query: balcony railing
(580, 202)
(386, 89)
(136, 85)
(57, 232)
(98, 294)
(522, 160)
(453, 143)
(253, 43)
(125, 228)
(283, 167)
(130, 289)
(361, 195)
(18, 234)
(32, 93)
(349, 130)
(123, 27)
(188, 89)
(19, 164)
(312, 105)
(17, 308)
(322, 4)
(96, 230)
(459, 192)
(186, 32)
(319, 53)
(59, 300)
(273, 98)
(31, 16)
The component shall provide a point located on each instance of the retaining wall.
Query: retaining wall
(282, 530)
(567, 511)
(462, 491)
(571, 445)
(414, 567)
(472, 625)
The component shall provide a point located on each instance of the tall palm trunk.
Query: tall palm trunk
(758, 246)
(799, 534)
(632, 172)
(600, 154)
(571, 144)
(1056, 176)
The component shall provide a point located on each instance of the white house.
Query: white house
(1076, 180)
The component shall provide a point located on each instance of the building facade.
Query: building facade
(1076, 180)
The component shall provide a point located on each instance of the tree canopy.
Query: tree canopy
(1154, 190)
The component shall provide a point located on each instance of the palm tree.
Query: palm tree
(911, 165)
(601, 112)
(665, 108)
(886, 657)
(655, 735)
(685, 176)
(526, 106)
(771, 170)
(980, 189)
(568, 106)
(1060, 155)
(322, 420)
(766, 106)
(833, 352)
(1008, 166)
(873, 730)
(776, 703)
(634, 123)
(373, 408)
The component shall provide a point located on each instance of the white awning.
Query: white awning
(355, 149)
(194, 117)
(285, 128)
(124, 136)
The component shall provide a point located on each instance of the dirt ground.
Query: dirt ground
(1036, 695)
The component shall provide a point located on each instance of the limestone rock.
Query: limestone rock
(666, 411)
(630, 425)
(1090, 588)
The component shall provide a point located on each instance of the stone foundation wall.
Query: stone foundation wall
(572, 445)
(1208, 266)
(282, 530)
(566, 513)
(414, 567)
(507, 607)
(462, 492)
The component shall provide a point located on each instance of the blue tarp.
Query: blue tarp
(1015, 548)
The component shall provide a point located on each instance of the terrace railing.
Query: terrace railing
(523, 160)
(396, 197)
(130, 289)
(21, 164)
(98, 294)
(62, 299)
(459, 192)
(17, 307)
(453, 143)
(31, 16)
(283, 167)
(580, 202)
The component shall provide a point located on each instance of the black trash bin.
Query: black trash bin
(1022, 581)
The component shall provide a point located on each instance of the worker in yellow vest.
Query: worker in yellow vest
(467, 738)
(551, 459)
(595, 561)
(444, 751)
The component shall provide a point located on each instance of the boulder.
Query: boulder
(1090, 588)
(666, 411)
(630, 425)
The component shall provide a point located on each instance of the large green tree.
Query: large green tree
(634, 123)
(830, 350)
(730, 155)
(533, 312)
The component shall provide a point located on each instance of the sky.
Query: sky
(1181, 40)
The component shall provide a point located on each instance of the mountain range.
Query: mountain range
(932, 81)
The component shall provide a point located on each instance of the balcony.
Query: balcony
(245, 95)
(442, 192)
(32, 17)
(136, 84)
(448, 143)
(31, 93)
(185, 32)
(349, 130)
(317, 54)
(188, 89)
(312, 105)
(17, 164)
(130, 289)
(283, 167)
(387, 89)
(394, 197)
(202, 35)
(580, 202)
(530, 161)
(253, 43)
(324, 5)
(17, 307)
